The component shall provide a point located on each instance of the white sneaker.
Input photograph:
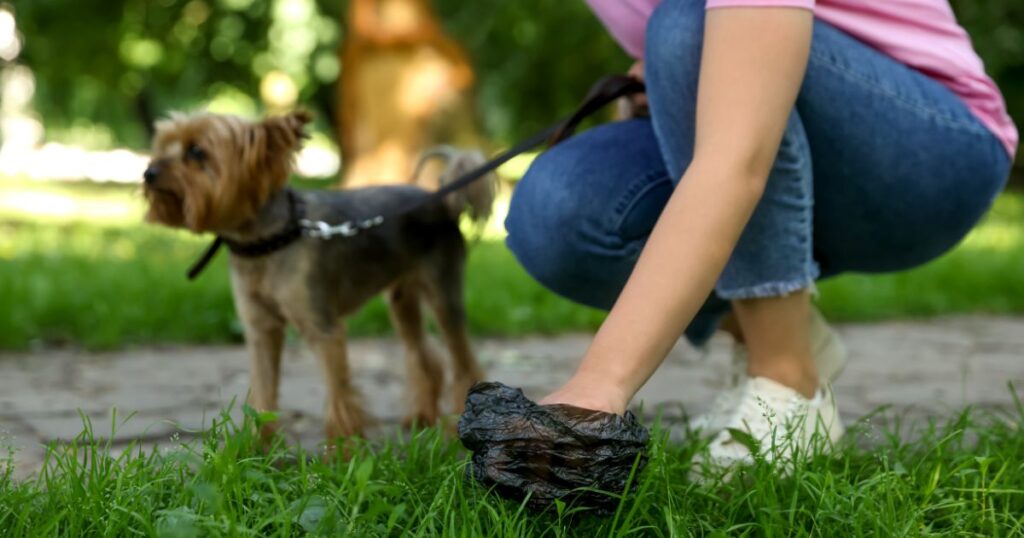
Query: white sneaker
(829, 354)
(777, 422)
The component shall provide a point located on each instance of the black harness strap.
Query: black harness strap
(205, 259)
(291, 233)
(603, 92)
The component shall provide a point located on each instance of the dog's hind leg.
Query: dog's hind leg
(444, 283)
(426, 378)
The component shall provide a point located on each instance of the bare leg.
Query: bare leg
(776, 331)
(730, 325)
(425, 375)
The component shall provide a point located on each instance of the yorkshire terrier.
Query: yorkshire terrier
(226, 175)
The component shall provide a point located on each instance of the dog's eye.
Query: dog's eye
(195, 152)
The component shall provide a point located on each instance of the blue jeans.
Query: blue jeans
(880, 169)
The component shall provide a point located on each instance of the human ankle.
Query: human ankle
(792, 374)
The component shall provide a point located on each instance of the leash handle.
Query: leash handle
(603, 92)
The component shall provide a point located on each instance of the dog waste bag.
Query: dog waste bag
(549, 451)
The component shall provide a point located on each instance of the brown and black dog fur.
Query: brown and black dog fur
(226, 175)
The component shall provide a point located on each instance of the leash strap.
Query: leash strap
(603, 92)
(205, 259)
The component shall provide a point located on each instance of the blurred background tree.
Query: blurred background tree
(107, 67)
(407, 86)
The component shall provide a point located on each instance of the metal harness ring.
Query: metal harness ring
(319, 229)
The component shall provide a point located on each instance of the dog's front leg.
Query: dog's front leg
(264, 347)
(264, 339)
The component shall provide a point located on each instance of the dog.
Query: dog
(226, 175)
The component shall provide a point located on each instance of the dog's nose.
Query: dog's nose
(151, 173)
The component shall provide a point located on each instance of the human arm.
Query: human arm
(752, 67)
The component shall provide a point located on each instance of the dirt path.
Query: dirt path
(919, 368)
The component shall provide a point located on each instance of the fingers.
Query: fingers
(634, 106)
(637, 70)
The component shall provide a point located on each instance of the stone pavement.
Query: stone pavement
(927, 368)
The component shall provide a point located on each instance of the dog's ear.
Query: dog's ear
(286, 133)
(268, 154)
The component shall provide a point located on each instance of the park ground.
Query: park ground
(121, 388)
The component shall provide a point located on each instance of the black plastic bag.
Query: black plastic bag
(549, 451)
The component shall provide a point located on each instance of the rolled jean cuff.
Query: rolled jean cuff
(772, 289)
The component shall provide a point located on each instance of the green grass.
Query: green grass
(78, 266)
(961, 477)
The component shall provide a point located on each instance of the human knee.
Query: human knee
(541, 216)
(573, 219)
(573, 186)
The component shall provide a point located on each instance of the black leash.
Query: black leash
(603, 92)
(205, 259)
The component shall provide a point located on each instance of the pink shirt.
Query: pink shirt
(922, 34)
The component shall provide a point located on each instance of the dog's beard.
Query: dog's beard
(244, 164)
(187, 208)
(165, 207)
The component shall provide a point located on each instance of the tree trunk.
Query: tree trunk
(405, 87)
(144, 111)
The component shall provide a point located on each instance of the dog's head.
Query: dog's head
(213, 173)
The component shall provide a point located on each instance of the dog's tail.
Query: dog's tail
(476, 198)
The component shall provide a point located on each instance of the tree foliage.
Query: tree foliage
(120, 62)
(535, 58)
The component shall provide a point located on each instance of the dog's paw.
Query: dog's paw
(420, 419)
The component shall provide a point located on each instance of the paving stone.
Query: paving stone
(917, 369)
(65, 427)
(19, 447)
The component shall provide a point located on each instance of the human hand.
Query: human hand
(633, 106)
(589, 393)
(538, 454)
